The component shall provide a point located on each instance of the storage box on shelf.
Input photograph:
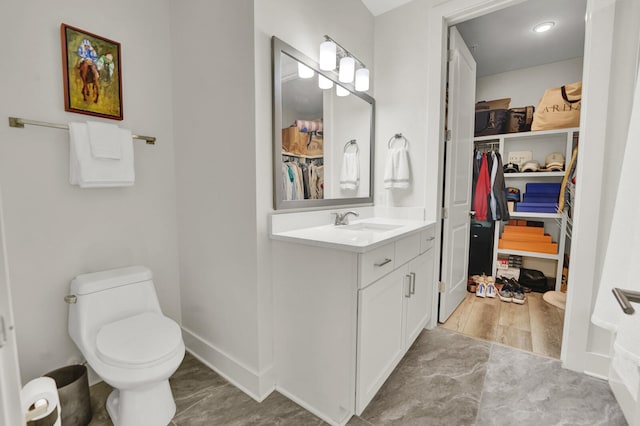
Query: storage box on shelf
(539, 201)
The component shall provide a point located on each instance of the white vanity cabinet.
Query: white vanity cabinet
(343, 319)
(391, 314)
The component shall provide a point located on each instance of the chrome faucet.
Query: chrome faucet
(343, 218)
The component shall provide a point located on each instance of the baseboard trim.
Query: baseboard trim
(311, 408)
(598, 365)
(258, 385)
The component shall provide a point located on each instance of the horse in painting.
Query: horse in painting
(89, 75)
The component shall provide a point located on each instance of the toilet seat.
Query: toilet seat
(139, 341)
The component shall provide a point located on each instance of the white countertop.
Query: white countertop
(350, 239)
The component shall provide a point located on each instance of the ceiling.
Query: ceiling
(504, 41)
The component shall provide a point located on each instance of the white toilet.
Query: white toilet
(116, 322)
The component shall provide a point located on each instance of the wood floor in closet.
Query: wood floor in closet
(535, 326)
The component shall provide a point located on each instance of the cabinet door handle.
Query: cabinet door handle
(382, 263)
(413, 283)
(408, 292)
(431, 238)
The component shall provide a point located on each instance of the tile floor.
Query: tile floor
(445, 379)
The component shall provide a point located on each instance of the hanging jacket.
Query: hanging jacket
(502, 209)
(483, 189)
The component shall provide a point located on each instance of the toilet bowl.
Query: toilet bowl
(116, 322)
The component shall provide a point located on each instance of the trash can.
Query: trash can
(73, 390)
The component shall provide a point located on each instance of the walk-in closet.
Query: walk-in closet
(521, 214)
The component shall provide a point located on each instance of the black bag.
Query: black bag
(533, 279)
(520, 119)
(491, 122)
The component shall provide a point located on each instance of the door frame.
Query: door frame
(599, 26)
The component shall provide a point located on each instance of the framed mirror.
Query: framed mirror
(323, 138)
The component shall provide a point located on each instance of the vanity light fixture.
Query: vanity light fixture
(347, 69)
(362, 80)
(543, 27)
(330, 53)
(341, 91)
(324, 82)
(304, 71)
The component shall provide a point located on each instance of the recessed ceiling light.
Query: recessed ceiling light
(543, 27)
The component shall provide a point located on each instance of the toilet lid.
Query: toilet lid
(137, 341)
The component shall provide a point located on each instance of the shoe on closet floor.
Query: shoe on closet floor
(518, 296)
(491, 289)
(506, 293)
(481, 289)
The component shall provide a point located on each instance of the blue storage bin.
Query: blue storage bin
(543, 188)
(539, 198)
(537, 207)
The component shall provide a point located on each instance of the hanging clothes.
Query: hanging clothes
(498, 191)
(483, 189)
(493, 166)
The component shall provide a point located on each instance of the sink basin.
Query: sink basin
(369, 227)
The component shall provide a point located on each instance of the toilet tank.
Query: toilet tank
(107, 296)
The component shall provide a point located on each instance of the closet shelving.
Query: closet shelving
(540, 144)
(310, 157)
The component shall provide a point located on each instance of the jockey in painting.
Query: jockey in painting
(86, 51)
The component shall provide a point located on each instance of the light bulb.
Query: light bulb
(324, 82)
(341, 91)
(328, 56)
(362, 80)
(304, 71)
(544, 27)
(347, 67)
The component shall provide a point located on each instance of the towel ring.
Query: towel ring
(352, 142)
(398, 136)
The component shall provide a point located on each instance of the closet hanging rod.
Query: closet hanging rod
(20, 123)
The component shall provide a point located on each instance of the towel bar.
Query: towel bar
(20, 122)
(398, 136)
(624, 297)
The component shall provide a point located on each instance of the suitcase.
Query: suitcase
(491, 122)
(481, 249)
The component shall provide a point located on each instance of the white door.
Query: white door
(458, 170)
(10, 412)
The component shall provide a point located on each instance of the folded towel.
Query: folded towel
(396, 172)
(104, 139)
(350, 173)
(89, 172)
(309, 125)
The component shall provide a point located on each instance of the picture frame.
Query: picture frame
(92, 73)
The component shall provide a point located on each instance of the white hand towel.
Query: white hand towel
(350, 172)
(89, 172)
(396, 172)
(104, 139)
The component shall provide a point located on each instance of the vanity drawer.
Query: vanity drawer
(376, 263)
(407, 248)
(427, 239)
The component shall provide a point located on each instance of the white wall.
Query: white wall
(526, 86)
(400, 70)
(301, 24)
(213, 82)
(55, 231)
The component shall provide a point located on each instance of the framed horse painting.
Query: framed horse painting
(91, 70)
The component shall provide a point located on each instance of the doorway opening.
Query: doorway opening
(516, 64)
